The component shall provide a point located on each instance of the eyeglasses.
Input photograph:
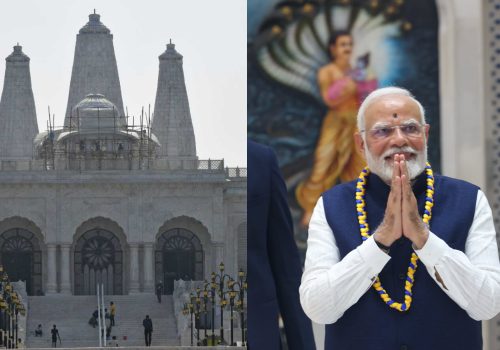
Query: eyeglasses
(411, 130)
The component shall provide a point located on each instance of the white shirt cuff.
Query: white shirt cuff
(373, 256)
(432, 251)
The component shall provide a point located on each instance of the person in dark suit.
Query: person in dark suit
(148, 329)
(274, 267)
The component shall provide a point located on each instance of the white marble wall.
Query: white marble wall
(465, 110)
(462, 89)
(136, 207)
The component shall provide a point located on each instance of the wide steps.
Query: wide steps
(72, 313)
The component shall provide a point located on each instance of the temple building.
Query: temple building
(107, 197)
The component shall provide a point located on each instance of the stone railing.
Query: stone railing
(122, 163)
(22, 165)
(236, 172)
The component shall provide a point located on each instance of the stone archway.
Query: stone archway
(21, 254)
(183, 248)
(98, 259)
(179, 255)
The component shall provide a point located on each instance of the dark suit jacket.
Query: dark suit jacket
(274, 267)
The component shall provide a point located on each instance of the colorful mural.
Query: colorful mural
(310, 63)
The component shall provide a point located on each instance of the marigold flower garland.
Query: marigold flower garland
(365, 234)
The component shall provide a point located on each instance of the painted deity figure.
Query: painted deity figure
(342, 89)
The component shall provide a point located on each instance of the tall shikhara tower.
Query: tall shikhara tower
(94, 67)
(18, 124)
(172, 118)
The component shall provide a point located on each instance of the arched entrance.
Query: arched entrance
(21, 257)
(98, 258)
(179, 255)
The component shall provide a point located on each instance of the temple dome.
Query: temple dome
(96, 114)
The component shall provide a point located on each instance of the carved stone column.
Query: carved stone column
(51, 286)
(65, 268)
(148, 267)
(134, 268)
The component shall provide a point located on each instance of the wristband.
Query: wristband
(383, 247)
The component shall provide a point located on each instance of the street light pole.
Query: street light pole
(191, 312)
(197, 315)
(236, 294)
(9, 314)
(15, 327)
(232, 295)
(212, 293)
(205, 302)
(220, 278)
(240, 303)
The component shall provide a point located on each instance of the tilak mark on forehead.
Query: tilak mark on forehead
(395, 115)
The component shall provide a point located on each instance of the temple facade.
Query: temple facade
(108, 198)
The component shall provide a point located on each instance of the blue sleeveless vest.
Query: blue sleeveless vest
(434, 321)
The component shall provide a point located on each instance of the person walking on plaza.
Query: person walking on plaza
(55, 335)
(39, 331)
(159, 291)
(112, 313)
(93, 319)
(148, 329)
(107, 321)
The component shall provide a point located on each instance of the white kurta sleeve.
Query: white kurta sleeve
(471, 279)
(330, 285)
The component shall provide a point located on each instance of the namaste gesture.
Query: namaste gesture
(401, 214)
(452, 268)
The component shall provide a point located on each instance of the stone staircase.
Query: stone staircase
(72, 313)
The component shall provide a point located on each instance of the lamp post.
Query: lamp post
(5, 320)
(8, 298)
(219, 278)
(13, 319)
(197, 310)
(3, 307)
(15, 306)
(10, 307)
(232, 295)
(242, 287)
(205, 304)
(213, 286)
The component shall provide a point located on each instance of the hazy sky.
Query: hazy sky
(211, 35)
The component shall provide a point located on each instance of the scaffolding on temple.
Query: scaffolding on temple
(98, 139)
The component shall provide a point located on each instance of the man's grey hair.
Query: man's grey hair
(374, 95)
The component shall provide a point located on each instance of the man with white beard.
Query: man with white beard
(400, 258)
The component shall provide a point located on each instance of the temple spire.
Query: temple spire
(18, 124)
(172, 118)
(94, 67)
